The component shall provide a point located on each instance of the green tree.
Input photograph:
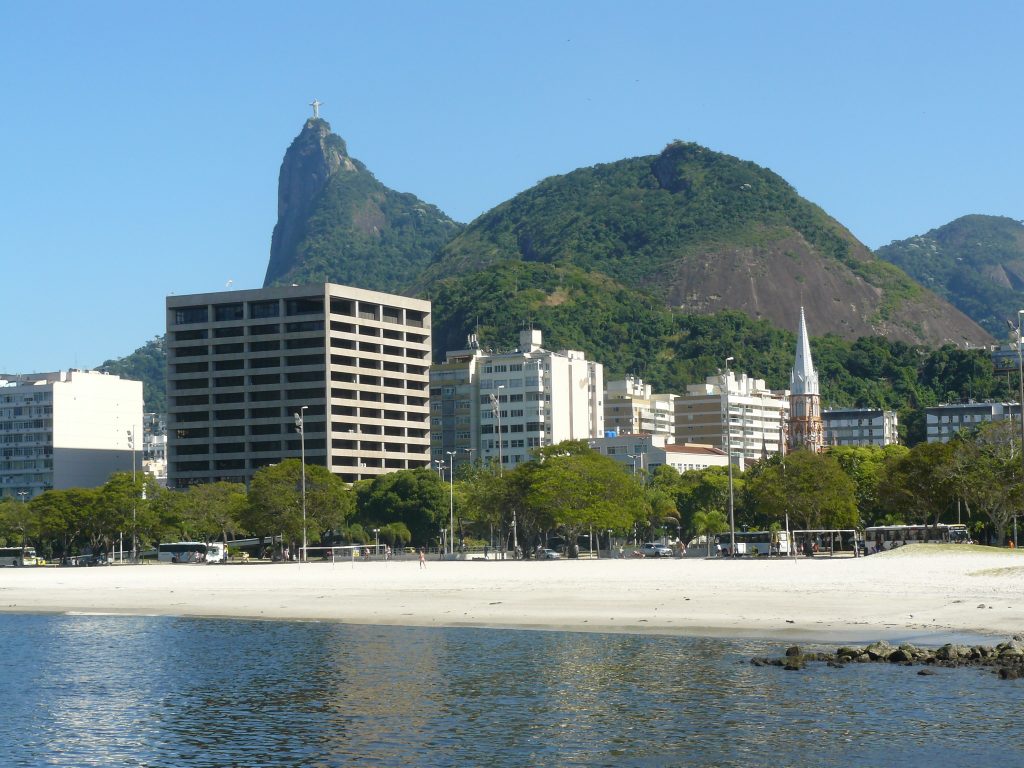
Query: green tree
(275, 501)
(866, 466)
(583, 490)
(416, 497)
(917, 486)
(811, 488)
(213, 510)
(709, 523)
(985, 470)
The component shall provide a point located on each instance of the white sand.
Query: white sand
(920, 591)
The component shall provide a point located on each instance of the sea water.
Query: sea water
(158, 691)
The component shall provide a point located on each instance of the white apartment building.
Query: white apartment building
(645, 453)
(531, 397)
(630, 407)
(744, 416)
(861, 426)
(944, 421)
(68, 429)
(241, 365)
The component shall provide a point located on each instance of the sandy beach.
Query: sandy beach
(919, 592)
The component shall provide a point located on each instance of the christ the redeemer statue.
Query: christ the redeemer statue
(316, 108)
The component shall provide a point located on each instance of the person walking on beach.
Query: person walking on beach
(423, 558)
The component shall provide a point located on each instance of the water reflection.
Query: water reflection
(191, 692)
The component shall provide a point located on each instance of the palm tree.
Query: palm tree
(708, 522)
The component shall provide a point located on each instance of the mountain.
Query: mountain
(975, 262)
(688, 231)
(336, 222)
(147, 364)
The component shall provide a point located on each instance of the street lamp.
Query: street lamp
(131, 444)
(300, 427)
(631, 456)
(610, 544)
(728, 451)
(440, 467)
(1020, 372)
(376, 541)
(451, 501)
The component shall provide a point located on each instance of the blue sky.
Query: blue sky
(141, 142)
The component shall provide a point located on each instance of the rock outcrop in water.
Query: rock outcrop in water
(1006, 659)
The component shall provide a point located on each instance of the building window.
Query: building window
(187, 315)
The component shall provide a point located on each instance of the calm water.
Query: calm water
(82, 690)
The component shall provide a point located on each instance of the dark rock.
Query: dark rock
(880, 650)
(793, 665)
(1006, 673)
(793, 650)
(927, 672)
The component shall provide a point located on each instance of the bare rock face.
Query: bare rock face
(313, 157)
(338, 223)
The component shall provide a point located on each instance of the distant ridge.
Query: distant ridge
(975, 262)
(690, 230)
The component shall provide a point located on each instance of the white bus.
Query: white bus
(756, 543)
(18, 556)
(191, 552)
(881, 538)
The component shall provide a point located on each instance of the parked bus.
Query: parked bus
(756, 543)
(880, 538)
(18, 556)
(190, 552)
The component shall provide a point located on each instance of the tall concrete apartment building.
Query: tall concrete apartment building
(861, 426)
(944, 421)
(241, 364)
(67, 429)
(531, 397)
(631, 407)
(753, 414)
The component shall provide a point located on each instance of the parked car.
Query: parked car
(548, 554)
(650, 549)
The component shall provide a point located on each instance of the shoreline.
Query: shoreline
(912, 594)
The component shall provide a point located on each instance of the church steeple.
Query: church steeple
(806, 429)
(803, 380)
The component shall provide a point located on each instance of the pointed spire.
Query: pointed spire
(804, 379)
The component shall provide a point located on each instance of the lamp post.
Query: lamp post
(131, 444)
(1020, 371)
(451, 501)
(728, 451)
(300, 427)
(376, 541)
(631, 456)
(610, 555)
(439, 464)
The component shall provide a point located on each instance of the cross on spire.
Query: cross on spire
(316, 104)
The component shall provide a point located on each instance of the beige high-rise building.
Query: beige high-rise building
(743, 416)
(241, 365)
(631, 407)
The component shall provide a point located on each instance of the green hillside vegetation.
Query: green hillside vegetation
(645, 220)
(975, 262)
(147, 364)
(362, 233)
(338, 223)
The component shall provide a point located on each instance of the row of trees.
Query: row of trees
(567, 490)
